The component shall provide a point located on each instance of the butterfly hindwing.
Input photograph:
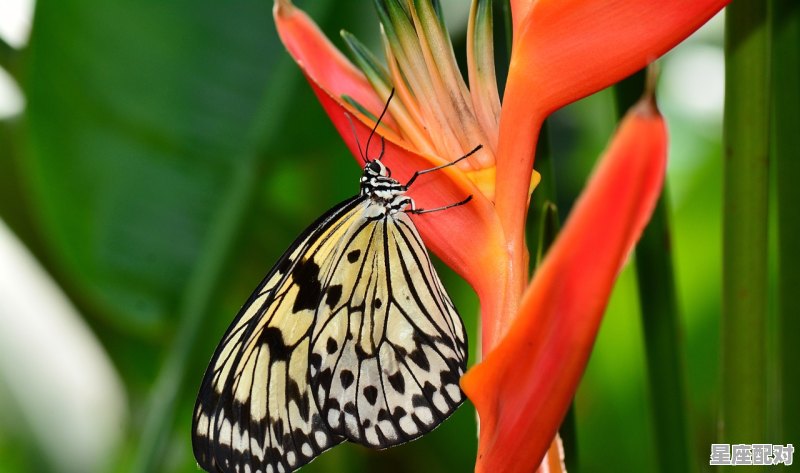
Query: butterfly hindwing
(392, 348)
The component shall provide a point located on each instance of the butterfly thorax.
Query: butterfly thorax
(386, 195)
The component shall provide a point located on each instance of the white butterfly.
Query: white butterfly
(350, 336)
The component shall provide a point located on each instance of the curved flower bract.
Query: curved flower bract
(467, 237)
(565, 302)
(562, 50)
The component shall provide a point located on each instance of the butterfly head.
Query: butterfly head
(377, 176)
(385, 192)
(375, 168)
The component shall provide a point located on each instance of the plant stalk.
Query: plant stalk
(785, 35)
(745, 223)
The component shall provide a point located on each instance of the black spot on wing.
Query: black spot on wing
(273, 338)
(284, 265)
(418, 400)
(383, 414)
(418, 356)
(331, 346)
(353, 256)
(324, 379)
(334, 295)
(398, 382)
(331, 404)
(400, 353)
(429, 390)
(347, 378)
(315, 360)
(306, 276)
(398, 413)
(371, 394)
(449, 377)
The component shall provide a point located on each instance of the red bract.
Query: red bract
(536, 337)
(545, 351)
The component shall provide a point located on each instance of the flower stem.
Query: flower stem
(786, 141)
(745, 222)
(660, 319)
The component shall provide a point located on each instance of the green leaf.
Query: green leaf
(132, 143)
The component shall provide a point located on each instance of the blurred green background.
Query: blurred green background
(157, 157)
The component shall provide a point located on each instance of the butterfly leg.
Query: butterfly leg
(417, 211)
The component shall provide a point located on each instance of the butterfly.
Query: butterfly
(350, 336)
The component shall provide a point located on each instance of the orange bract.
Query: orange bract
(562, 50)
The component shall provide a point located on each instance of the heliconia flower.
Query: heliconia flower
(536, 338)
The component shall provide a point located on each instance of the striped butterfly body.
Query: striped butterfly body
(350, 336)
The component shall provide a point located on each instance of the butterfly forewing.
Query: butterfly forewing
(255, 410)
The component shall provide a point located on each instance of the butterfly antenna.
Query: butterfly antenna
(355, 135)
(372, 133)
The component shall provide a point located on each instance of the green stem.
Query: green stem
(786, 143)
(201, 288)
(660, 320)
(745, 223)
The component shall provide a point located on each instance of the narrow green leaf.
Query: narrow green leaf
(543, 197)
(402, 39)
(508, 25)
(745, 223)
(548, 229)
(366, 61)
(663, 343)
(785, 26)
